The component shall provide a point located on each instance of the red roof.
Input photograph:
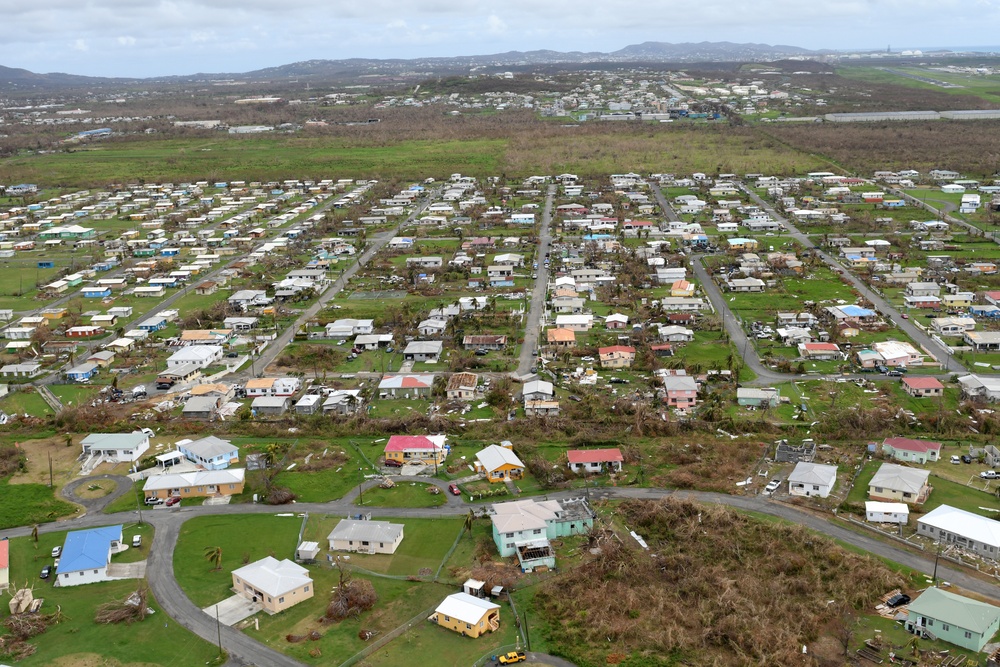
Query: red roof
(922, 383)
(400, 443)
(992, 295)
(594, 455)
(4, 554)
(821, 347)
(413, 383)
(912, 445)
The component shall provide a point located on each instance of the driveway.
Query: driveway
(122, 486)
(135, 570)
(233, 609)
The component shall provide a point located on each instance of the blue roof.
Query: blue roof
(88, 549)
(856, 311)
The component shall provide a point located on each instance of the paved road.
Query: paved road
(244, 650)
(122, 486)
(948, 363)
(665, 206)
(375, 244)
(532, 329)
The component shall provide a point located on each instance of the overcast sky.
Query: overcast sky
(159, 37)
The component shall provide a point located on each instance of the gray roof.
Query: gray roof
(107, 441)
(366, 531)
(813, 473)
(950, 608)
(210, 447)
(900, 478)
(424, 347)
(200, 404)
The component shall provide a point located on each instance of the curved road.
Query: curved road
(245, 650)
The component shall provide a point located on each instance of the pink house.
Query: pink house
(681, 391)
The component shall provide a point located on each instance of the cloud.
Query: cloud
(126, 41)
(495, 25)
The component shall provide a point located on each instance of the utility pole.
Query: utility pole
(937, 557)
(361, 491)
(50, 470)
(138, 505)
(218, 628)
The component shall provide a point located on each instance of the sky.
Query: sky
(138, 38)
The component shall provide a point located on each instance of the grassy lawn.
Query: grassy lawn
(26, 504)
(25, 403)
(75, 394)
(127, 501)
(195, 574)
(425, 543)
(395, 407)
(78, 640)
(404, 494)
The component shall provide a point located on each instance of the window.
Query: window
(878, 489)
(945, 627)
(468, 626)
(305, 589)
(281, 599)
(537, 531)
(930, 622)
(510, 545)
(968, 635)
(447, 618)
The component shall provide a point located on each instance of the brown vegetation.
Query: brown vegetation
(716, 587)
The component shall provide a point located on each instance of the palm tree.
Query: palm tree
(214, 555)
(470, 519)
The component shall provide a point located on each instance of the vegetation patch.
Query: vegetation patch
(715, 587)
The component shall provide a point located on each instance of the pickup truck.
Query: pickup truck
(513, 657)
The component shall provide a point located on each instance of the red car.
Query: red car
(454, 489)
(173, 500)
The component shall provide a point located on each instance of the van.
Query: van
(136, 541)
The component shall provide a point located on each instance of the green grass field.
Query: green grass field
(404, 494)
(26, 504)
(24, 403)
(78, 639)
(276, 536)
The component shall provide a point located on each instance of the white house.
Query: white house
(86, 555)
(201, 356)
(877, 512)
(973, 532)
(116, 447)
(812, 479)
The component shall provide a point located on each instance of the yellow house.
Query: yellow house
(54, 313)
(427, 449)
(467, 615)
(198, 484)
(499, 464)
(275, 585)
(681, 288)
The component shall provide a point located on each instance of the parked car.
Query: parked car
(990, 474)
(956, 460)
(46, 571)
(173, 500)
(482, 353)
(513, 657)
(897, 601)
(154, 501)
(136, 541)
(56, 552)
(232, 355)
(453, 488)
(772, 486)
(966, 458)
(393, 463)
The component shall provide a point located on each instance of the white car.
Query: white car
(990, 474)
(772, 486)
(56, 552)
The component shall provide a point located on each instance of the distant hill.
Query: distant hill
(647, 52)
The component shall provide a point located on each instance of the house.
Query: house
(86, 555)
(462, 387)
(879, 512)
(210, 453)
(202, 407)
(467, 615)
(342, 402)
(426, 449)
(980, 387)
(285, 386)
(682, 288)
(116, 447)
(537, 390)
(423, 350)
(199, 356)
(218, 337)
(819, 351)
(983, 341)
(25, 370)
(575, 322)
(896, 353)
(912, 451)
(197, 484)
(345, 328)
(432, 327)
(84, 332)
(953, 618)
(972, 532)
(309, 404)
(919, 387)
(895, 483)
(270, 405)
(523, 528)
(541, 408)
(758, 397)
(681, 391)
(102, 358)
(812, 479)
(499, 464)
(274, 584)
(745, 285)
(675, 334)
(484, 342)
(616, 356)
(370, 537)
(560, 337)
(407, 386)
(616, 321)
(922, 289)
(248, 298)
(595, 460)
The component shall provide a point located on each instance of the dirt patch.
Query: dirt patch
(94, 660)
(64, 463)
(94, 490)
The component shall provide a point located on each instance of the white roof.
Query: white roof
(366, 531)
(895, 477)
(813, 473)
(466, 608)
(972, 526)
(195, 353)
(197, 478)
(888, 508)
(539, 386)
(522, 515)
(494, 456)
(274, 577)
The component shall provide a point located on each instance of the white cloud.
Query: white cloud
(495, 25)
(126, 41)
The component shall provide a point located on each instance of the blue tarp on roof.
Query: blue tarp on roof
(856, 311)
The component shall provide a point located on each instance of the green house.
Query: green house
(952, 618)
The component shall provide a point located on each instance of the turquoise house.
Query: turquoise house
(957, 620)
